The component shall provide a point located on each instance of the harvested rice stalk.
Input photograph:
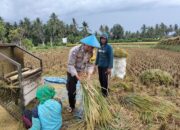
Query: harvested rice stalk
(156, 76)
(96, 107)
(150, 108)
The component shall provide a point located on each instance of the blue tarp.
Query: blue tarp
(57, 80)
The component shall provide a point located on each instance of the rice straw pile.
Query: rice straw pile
(120, 53)
(150, 108)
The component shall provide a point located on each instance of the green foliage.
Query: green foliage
(2, 30)
(42, 47)
(25, 25)
(71, 38)
(156, 76)
(27, 43)
(71, 45)
(55, 29)
(16, 35)
(85, 29)
(38, 31)
(104, 29)
(117, 31)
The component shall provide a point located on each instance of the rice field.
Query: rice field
(143, 59)
(134, 106)
(135, 44)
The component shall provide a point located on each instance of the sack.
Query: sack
(119, 69)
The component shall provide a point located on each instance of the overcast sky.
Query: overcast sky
(131, 14)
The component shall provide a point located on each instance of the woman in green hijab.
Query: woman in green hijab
(48, 114)
(45, 93)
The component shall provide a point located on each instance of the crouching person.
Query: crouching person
(48, 114)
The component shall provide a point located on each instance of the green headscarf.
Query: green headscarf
(44, 93)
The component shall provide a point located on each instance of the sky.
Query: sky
(131, 14)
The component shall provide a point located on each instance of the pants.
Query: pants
(71, 88)
(103, 78)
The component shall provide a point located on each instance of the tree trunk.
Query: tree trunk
(20, 43)
(51, 41)
(43, 43)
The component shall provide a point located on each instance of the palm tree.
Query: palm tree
(74, 27)
(101, 29)
(38, 30)
(143, 30)
(85, 29)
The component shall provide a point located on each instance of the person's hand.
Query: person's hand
(81, 75)
(108, 72)
(78, 77)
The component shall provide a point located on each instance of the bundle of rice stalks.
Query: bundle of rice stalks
(156, 76)
(123, 120)
(120, 53)
(149, 108)
(122, 85)
(96, 107)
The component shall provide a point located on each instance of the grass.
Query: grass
(135, 43)
(169, 47)
(71, 45)
(48, 48)
(45, 48)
